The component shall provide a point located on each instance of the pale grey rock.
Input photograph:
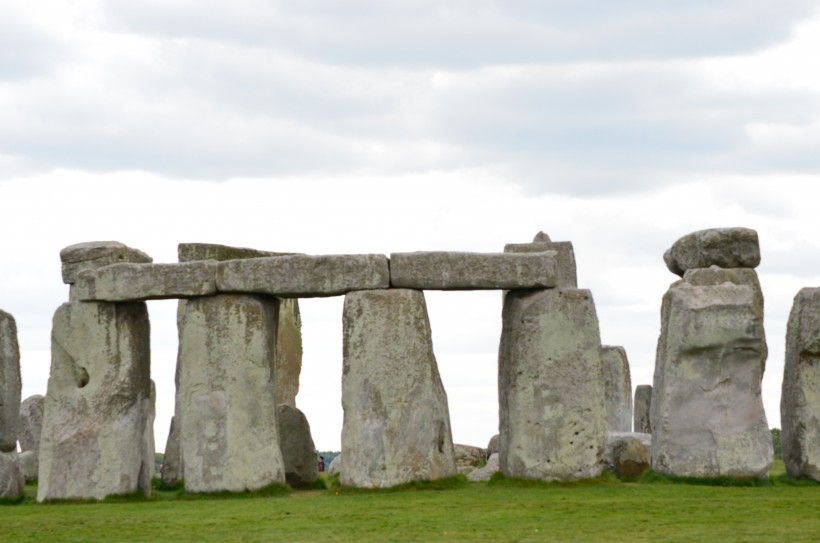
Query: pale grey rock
(627, 454)
(227, 414)
(396, 420)
(617, 388)
(140, 282)
(468, 456)
(98, 404)
(10, 383)
(96, 254)
(335, 465)
(552, 417)
(566, 275)
(190, 252)
(304, 276)
(492, 445)
(707, 415)
(12, 482)
(31, 423)
(472, 271)
(147, 467)
(171, 471)
(722, 247)
(485, 473)
(800, 400)
(29, 466)
(643, 403)
(296, 443)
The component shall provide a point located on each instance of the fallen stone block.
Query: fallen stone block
(140, 282)
(304, 276)
(485, 473)
(473, 271)
(627, 454)
(722, 247)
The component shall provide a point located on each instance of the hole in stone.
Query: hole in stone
(82, 378)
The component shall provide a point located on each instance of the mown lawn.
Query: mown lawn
(500, 511)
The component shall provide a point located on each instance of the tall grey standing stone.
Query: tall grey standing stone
(171, 471)
(31, 423)
(229, 437)
(643, 403)
(617, 388)
(296, 443)
(12, 482)
(707, 414)
(10, 383)
(396, 420)
(552, 417)
(800, 400)
(98, 404)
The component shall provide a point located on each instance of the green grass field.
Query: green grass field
(605, 510)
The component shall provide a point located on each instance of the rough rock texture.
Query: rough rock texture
(190, 252)
(552, 417)
(617, 389)
(396, 420)
(472, 271)
(31, 423)
(643, 404)
(707, 414)
(566, 276)
(12, 482)
(485, 473)
(468, 457)
(149, 448)
(304, 276)
(288, 352)
(335, 465)
(722, 247)
(98, 405)
(10, 383)
(29, 466)
(627, 453)
(800, 401)
(171, 471)
(139, 282)
(96, 254)
(492, 445)
(296, 443)
(227, 411)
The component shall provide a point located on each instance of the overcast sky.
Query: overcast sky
(361, 126)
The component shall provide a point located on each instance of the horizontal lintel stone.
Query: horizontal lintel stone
(473, 271)
(139, 282)
(304, 276)
(92, 255)
(190, 252)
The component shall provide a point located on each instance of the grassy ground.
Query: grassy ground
(606, 510)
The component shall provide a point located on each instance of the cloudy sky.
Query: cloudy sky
(327, 126)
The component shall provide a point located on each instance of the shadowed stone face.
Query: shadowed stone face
(10, 383)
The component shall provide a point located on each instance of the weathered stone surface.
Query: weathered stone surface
(12, 482)
(643, 403)
(304, 276)
(566, 276)
(29, 466)
(190, 252)
(800, 401)
(722, 247)
(335, 465)
(96, 254)
(485, 473)
(10, 383)
(148, 467)
(396, 420)
(627, 453)
(288, 352)
(617, 389)
(296, 443)
(492, 445)
(472, 271)
(140, 282)
(552, 417)
(98, 403)
(468, 457)
(227, 415)
(171, 471)
(707, 414)
(31, 423)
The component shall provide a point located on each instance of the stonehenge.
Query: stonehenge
(565, 400)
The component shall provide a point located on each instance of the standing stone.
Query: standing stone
(98, 404)
(617, 389)
(492, 445)
(12, 482)
(707, 414)
(468, 457)
(643, 403)
(227, 379)
(800, 401)
(552, 417)
(396, 420)
(296, 443)
(10, 383)
(28, 465)
(335, 465)
(31, 423)
(171, 471)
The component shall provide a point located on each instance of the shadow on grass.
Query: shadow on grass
(447, 483)
(653, 477)
(501, 480)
